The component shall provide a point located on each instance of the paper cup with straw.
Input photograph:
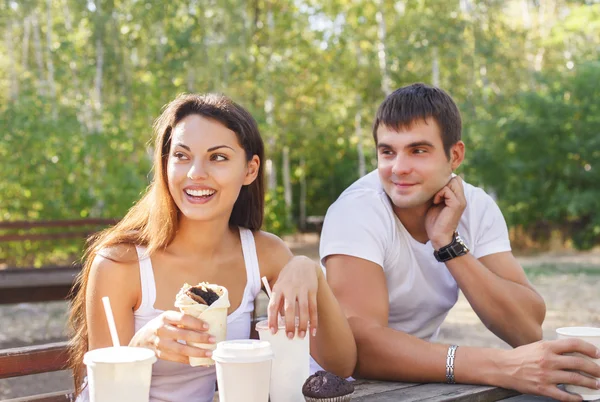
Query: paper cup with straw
(118, 373)
(291, 365)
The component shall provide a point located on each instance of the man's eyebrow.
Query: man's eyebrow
(420, 144)
(219, 146)
(383, 145)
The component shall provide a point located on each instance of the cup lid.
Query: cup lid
(262, 325)
(120, 354)
(243, 351)
(578, 331)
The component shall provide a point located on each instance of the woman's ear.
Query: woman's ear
(252, 170)
(457, 154)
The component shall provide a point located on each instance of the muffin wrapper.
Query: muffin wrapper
(344, 398)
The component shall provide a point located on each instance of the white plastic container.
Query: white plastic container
(243, 370)
(119, 374)
(291, 365)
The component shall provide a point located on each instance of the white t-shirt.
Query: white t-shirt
(361, 223)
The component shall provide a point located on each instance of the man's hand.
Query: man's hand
(443, 216)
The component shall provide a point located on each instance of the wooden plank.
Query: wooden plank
(57, 223)
(441, 393)
(61, 396)
(529, 398)
(35, 277)
(81, 234)
(363, 388)
(17, 362)
(34, 294)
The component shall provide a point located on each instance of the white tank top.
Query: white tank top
(174, 382)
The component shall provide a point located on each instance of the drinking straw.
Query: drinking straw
(111, 322)
(267, 287)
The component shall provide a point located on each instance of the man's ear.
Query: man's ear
(252, 170)
(457, 154)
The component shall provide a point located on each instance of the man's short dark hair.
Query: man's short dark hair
(414, 102)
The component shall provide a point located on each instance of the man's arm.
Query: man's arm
(386, 354)
(500, 294)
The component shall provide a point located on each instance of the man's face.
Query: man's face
(412, 163)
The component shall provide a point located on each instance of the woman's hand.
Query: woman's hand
(163, 332)
(539, 367)
(295, 294)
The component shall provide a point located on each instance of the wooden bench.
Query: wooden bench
(29, 360)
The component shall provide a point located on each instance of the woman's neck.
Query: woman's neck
(206, 239)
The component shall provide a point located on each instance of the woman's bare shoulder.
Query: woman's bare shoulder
(272, 252)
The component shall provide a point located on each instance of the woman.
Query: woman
(200, 221)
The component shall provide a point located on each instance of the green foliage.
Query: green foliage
(82, 82)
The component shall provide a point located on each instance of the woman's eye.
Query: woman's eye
(218, 157)
(180, 156)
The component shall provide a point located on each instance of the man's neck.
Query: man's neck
(413, 220)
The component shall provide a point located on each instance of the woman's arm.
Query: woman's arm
(300, 288)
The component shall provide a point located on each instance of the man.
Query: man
(400, 242)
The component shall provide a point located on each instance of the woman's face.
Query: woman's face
(207, 168)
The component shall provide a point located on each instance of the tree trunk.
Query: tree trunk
(39, 57)
(287, 184)
(435, 67)
(14, 82)
(98, 128)
(362, 166)
(25, 45)
(303, 194)
(49, 62)
(381, 50)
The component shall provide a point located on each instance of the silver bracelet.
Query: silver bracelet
(450, 364)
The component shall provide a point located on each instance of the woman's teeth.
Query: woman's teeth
(200, 193)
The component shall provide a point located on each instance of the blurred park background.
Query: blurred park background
(81, 82)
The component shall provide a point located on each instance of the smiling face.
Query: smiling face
(412, 163)
(207, 168)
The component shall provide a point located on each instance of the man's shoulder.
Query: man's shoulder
(477, 197)
(362, 206)
(368, 186)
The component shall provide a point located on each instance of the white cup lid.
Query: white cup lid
(243, 351)
(579, 331)
(121, 354)
(263, 325)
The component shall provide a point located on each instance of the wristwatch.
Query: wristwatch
(456, 248)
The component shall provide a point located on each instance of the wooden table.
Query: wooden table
(378, 391)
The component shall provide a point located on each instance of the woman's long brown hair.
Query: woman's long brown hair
(153, 221)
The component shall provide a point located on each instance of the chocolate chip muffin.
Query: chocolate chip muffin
(323, 386)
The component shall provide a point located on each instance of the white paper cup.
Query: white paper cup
(291, 365)
(118, 374)
(590, 335)
(243, 370)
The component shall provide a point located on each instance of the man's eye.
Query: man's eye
(419, 151)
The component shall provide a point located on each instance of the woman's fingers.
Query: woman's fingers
(313, 313)
(303, 314)
(176, 351)
(183, 334)
(180, 319)
(273, 310)
(289, 311)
